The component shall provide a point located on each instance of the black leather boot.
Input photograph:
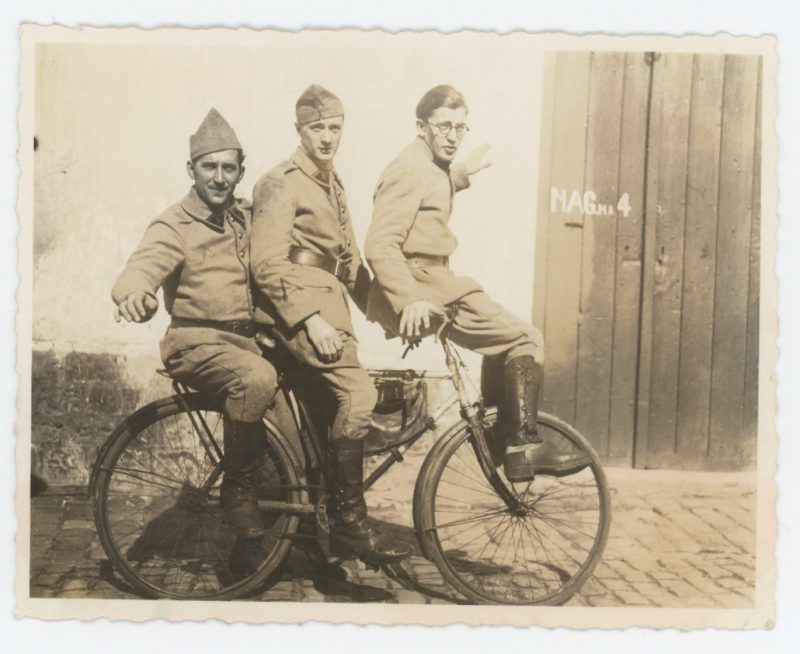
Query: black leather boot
(244, 443)
(350, 532)
(526, 453)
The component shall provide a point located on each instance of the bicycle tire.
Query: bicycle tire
(160, 528)
(493, 579)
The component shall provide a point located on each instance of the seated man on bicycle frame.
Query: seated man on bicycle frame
(408, 245)
(305, 260)
(198, 252)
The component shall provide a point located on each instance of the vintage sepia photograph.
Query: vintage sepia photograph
(397, 328)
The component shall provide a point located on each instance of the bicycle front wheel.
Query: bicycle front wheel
(539, 552)
(156, 499)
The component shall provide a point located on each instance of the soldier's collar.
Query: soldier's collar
(199, 210)
(424, 149)
(307, 166)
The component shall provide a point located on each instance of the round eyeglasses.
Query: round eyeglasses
(447, 127)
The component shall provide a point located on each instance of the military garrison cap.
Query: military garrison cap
(213, 135)
(317, 103)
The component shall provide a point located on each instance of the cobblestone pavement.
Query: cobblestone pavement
(677, 540)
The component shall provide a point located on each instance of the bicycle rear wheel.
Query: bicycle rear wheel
(156, 499)
(540, 552)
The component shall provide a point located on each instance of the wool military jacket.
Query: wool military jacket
(297, 205)
(201, 260)
(413, 203)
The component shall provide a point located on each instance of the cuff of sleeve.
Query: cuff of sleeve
(460, 177)
(401, 305)
(294, 318)
(120, 292)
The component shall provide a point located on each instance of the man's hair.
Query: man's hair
(443, 95)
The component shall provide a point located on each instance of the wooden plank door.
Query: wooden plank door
(647, 261)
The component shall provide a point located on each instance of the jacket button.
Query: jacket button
(241, 254)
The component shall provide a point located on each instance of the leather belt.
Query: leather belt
(245, 328)
(415, 260)
(339, 268)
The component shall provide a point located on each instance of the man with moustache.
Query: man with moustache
(408, 246)
(306, 262)
(198, 252)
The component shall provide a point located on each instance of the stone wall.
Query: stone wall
(76, 401)
(78, 398)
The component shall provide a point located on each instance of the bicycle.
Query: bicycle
(155, 486)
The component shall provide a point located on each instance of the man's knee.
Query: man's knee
(355, 406)
(365, 397)
(254, 391)
(530, 343)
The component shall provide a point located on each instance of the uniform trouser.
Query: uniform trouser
(483, 326)
(354, 396)
(242, 378)
(340, 394)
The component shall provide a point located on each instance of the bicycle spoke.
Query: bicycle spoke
(144, 480)
(540, 535)
(151, 473)
(564, 523)
(485, 532)
(551, 566)
(153, 457)
(478, 475)
(491, 537)
(470, 488)
(479, 516)
(191, 449)
(165, 438)
(530, 577)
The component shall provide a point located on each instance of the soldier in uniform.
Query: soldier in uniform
(306, 262)
(408, 245)
(198, 252)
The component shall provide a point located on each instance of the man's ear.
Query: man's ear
(190, 170)
(241, 174)
(420, 127)
(297, 128)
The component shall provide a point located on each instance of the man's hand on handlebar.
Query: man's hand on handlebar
(324, 338)
(137, 307)
(415, 320)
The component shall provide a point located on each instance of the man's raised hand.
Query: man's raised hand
(474, 162)
(137, 307)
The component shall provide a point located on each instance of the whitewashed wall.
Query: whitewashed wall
(113, 123)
